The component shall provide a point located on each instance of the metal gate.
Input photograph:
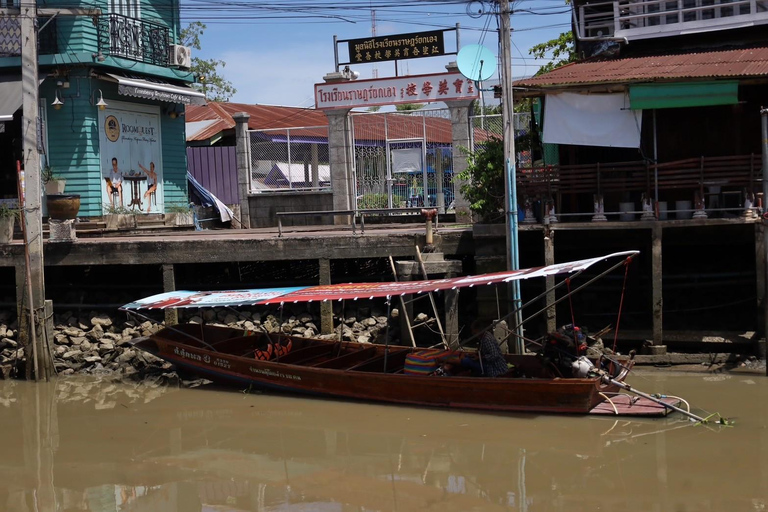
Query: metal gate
(404, 159)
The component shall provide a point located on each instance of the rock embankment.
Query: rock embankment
(100, 343)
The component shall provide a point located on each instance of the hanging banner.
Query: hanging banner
(131, 160)
(392, 91)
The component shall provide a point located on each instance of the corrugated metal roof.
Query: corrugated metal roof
(262, 117)
(269, 117)
(734, 63)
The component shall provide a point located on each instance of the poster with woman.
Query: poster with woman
(131, 158)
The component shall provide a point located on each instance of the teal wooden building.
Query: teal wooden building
(113, 89)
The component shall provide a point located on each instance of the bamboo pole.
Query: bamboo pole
(404, 311)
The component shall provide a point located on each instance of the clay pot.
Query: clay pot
(63, 206)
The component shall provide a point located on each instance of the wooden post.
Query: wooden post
(21, 289)
(760, 274)
(326, 307)
(46, 344)
(169, 285)
(657, 289)
(549, 281)
(451, 300)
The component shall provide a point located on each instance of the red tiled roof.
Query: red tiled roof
(735, 63)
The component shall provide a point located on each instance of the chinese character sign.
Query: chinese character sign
(392, 91)
(395, 47)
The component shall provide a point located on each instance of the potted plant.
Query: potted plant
(54, 185)
(118, 217)
(178, 215)
(7, 217)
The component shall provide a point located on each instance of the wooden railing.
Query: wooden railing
(738, 171)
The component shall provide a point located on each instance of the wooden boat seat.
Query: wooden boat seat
(306, 353)
(347, 360)
(395, 361)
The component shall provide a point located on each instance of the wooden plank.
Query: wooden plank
(628, 405)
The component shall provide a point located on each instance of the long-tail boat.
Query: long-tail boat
(384, 373)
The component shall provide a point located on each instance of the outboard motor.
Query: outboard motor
(581, 367)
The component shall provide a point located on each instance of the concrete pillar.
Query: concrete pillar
(549, 281)
(243, 151)
(169, 285)
(339, 154)
(656, 278)
(326, 307)
(460, 130)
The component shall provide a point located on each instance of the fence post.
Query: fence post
(243, 143)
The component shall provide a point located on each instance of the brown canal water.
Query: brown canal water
(79, 444)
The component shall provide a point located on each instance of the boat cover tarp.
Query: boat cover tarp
(208, 199)
(232, 298)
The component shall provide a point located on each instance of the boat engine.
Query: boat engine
(581, 367)
(564, 346)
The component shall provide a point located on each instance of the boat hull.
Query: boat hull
(552, 395)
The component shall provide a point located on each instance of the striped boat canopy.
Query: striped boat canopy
(354, 291)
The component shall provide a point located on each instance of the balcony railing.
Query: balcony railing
(10, 37)
(639, 19)
(134, 39)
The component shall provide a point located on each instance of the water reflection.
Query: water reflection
(105, 447)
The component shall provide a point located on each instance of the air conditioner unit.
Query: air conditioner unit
(181, 56)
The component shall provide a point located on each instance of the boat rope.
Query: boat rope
(570, 302)
(130, 312)
(621, 303)
(615, 410)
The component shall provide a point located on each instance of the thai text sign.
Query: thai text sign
(396, 47)
(391, 91)
(153, 94)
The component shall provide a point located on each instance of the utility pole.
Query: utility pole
(31, 133)
(513, 260)
(33, 219)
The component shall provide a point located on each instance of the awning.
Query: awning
(354, 291)
(685, 94)
(10, 96)
(591, 120)
(157, 90)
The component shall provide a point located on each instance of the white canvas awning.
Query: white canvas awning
(156, 90)
(591, 120)
(10, 96)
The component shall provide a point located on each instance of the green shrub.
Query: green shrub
(484, 185)
(177, 208)
(373, 201)
(6, 211)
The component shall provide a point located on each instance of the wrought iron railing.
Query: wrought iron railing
(134, 39)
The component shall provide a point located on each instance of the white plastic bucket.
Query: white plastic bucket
(683, 205)
(627, 207)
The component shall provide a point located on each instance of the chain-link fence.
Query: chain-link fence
(487, 126)
(290, 159)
